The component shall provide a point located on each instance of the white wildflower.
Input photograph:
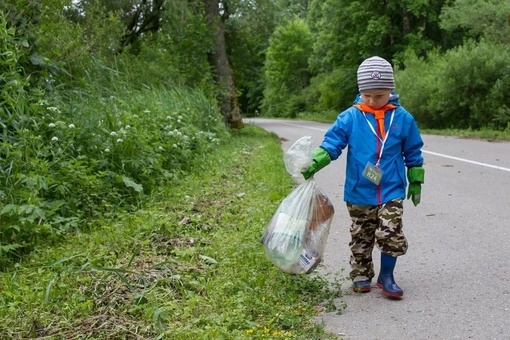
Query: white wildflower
(51, 125)
(113, 133)
(160, 148)
(119, 140)
(54, 139)
(128, 127)
(146, 111)
(174, 145)
(71, 126)
(106, 150)
(53, 109)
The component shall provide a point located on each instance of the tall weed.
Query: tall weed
(70, 155)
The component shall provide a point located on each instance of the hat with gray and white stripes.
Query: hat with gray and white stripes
(375, 73)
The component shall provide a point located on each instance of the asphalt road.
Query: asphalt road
(456, 273)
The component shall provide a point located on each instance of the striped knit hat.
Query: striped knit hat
(375, 73)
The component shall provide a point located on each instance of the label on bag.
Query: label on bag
(308, 262)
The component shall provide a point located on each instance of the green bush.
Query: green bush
(87, 157)
(68, 155)
(86, 132)
(464, 88)
(338, 89)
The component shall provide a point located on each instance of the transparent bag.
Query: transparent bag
(295, 238)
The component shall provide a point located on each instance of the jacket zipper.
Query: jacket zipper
(378, 191)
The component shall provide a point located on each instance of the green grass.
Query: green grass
(189, 266)
(486, 134)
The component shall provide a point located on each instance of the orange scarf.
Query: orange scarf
(379, 115)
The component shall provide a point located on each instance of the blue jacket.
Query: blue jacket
(402, 149)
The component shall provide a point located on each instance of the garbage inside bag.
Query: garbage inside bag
(295, 238)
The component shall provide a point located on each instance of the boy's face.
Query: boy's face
(376, 98)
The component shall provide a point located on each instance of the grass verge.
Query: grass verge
(189, 267)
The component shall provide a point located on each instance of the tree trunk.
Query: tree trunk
(216, 16)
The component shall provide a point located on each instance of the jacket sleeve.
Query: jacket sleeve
(337, 137)
(412, 144)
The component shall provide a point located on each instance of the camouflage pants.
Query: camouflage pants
(374, 225)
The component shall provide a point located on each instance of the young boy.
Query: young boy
(383, 140)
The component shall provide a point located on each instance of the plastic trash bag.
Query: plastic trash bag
(295, 238)
(299, 156)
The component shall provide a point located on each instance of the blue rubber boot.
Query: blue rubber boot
(361, 286)
(385, 281)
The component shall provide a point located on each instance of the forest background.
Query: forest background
(105, 105)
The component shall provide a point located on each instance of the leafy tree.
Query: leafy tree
(346, 32)
(247, 36)
(216, 14)
(488, 19)
(138, 17)
(180, 48)
(286, 69)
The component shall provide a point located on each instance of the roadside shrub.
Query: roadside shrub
(338, 89)
(71, 155)
(92, 137)
(83, 158)
(464, 88)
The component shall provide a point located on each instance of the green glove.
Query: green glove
(416, 177)
(320, 158)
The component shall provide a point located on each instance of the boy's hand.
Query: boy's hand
(414, 192)
(416, 177)
(320, 158)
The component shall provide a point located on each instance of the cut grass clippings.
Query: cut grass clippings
(189, 266)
